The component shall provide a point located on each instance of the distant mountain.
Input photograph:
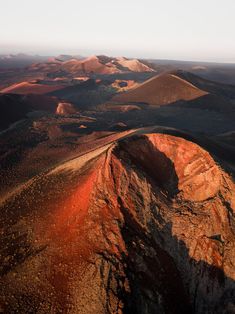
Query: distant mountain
(19, 60)
(92, 65)
(219, 72)
(67, 57)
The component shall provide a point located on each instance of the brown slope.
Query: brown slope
(161, 90)
(24, 88)
(134, 65)
(118, 230)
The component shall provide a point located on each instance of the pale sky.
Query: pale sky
(160, 29)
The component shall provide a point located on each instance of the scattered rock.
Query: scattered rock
(64, 108)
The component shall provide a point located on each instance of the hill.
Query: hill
(161, 90)
(92, 65)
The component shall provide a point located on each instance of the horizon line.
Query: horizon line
(50, 55)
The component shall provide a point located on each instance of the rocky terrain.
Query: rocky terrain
(117, 189)
(64, 108)
(141, 222)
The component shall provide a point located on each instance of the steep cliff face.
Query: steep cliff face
(140, 225)
(188, 219)
(177, 165)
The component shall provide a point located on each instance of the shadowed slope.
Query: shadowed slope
(16, 107)
(212, 87)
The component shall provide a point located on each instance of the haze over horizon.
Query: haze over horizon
(182, 30)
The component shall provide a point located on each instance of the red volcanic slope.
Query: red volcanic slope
(91, 64)
(195, 174)
(161, 90)
(89, 233)
(30, 88)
